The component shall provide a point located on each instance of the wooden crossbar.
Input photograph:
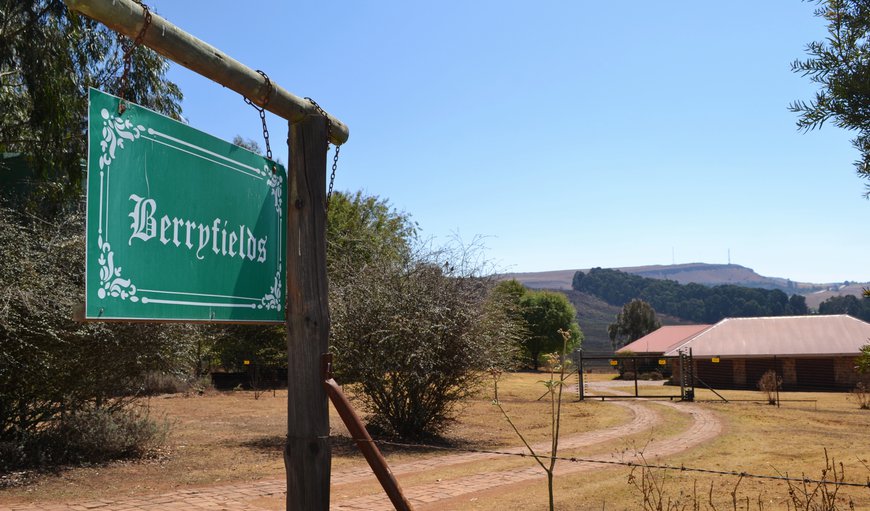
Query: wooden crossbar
(127, 17)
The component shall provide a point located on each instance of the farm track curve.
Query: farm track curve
(267, 494)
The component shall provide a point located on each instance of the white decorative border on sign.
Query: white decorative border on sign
(275, 184)
(111, 283)
(115, 131)
(272, 300)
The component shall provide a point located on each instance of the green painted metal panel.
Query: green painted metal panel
(182, 226)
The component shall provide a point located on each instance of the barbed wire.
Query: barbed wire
(632, 464)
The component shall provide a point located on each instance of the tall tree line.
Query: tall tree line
(693, 302)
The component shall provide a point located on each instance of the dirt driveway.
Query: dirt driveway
(442, 494)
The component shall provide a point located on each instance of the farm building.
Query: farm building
(659, 341)
(807, 352)
(645, 353)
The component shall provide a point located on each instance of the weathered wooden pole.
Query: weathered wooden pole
(127, 17)
(307, 455)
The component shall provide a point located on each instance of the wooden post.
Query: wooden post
(307, 455)
(634, 365)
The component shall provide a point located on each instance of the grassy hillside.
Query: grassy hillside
(556, 280)
(594, 315)
(855, 289)
(705, 274)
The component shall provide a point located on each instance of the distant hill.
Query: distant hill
(717, 274)
(705, 274)
(594, 315)
(853, 288)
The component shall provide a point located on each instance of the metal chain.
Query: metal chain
(128, 56)
(262, 112)
(337, 149)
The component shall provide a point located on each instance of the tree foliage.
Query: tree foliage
(362, 229)
(509, 294)
(510, 290)
(840, 65)
(264, 345)
(545, 313)
(412, 328)
(249, 144)
(55, 374)
(48, 60)
(862, 363)
(52, 368)
(847, 304)
(636, 320)
(415, 335)
(693, 302)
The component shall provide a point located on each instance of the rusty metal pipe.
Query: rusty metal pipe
(362, 438)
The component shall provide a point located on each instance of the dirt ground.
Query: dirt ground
(226, 441)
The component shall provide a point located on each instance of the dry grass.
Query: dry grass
(224, 437)
(757, 438)
(221, 438)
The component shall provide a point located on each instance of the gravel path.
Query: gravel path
(704, 426)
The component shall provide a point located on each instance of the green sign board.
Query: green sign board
(181, 225)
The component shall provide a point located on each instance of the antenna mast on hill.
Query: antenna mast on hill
(729, 257)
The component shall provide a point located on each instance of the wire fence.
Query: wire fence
(631, 464)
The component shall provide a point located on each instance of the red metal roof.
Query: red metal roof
(663, 339)
(781, 336)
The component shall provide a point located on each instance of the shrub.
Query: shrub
(769, 384)
(415, 337)
(652, 375)
(52, 368)
(88, 435)
(862, 395)
(200, 385)
(862, 363)
(160, 382)
(556, 363)
(660, 489)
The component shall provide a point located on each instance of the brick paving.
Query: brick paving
(239, 497)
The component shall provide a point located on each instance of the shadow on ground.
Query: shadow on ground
(345, 446)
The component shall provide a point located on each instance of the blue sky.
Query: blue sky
(568, 134)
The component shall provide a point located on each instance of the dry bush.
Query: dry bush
(659, 490)
(861, 394)
(652, 376)
(822, 494)
(90, 435)
(414, 337)
(161, 382)
(52, 369)
(769, 384)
